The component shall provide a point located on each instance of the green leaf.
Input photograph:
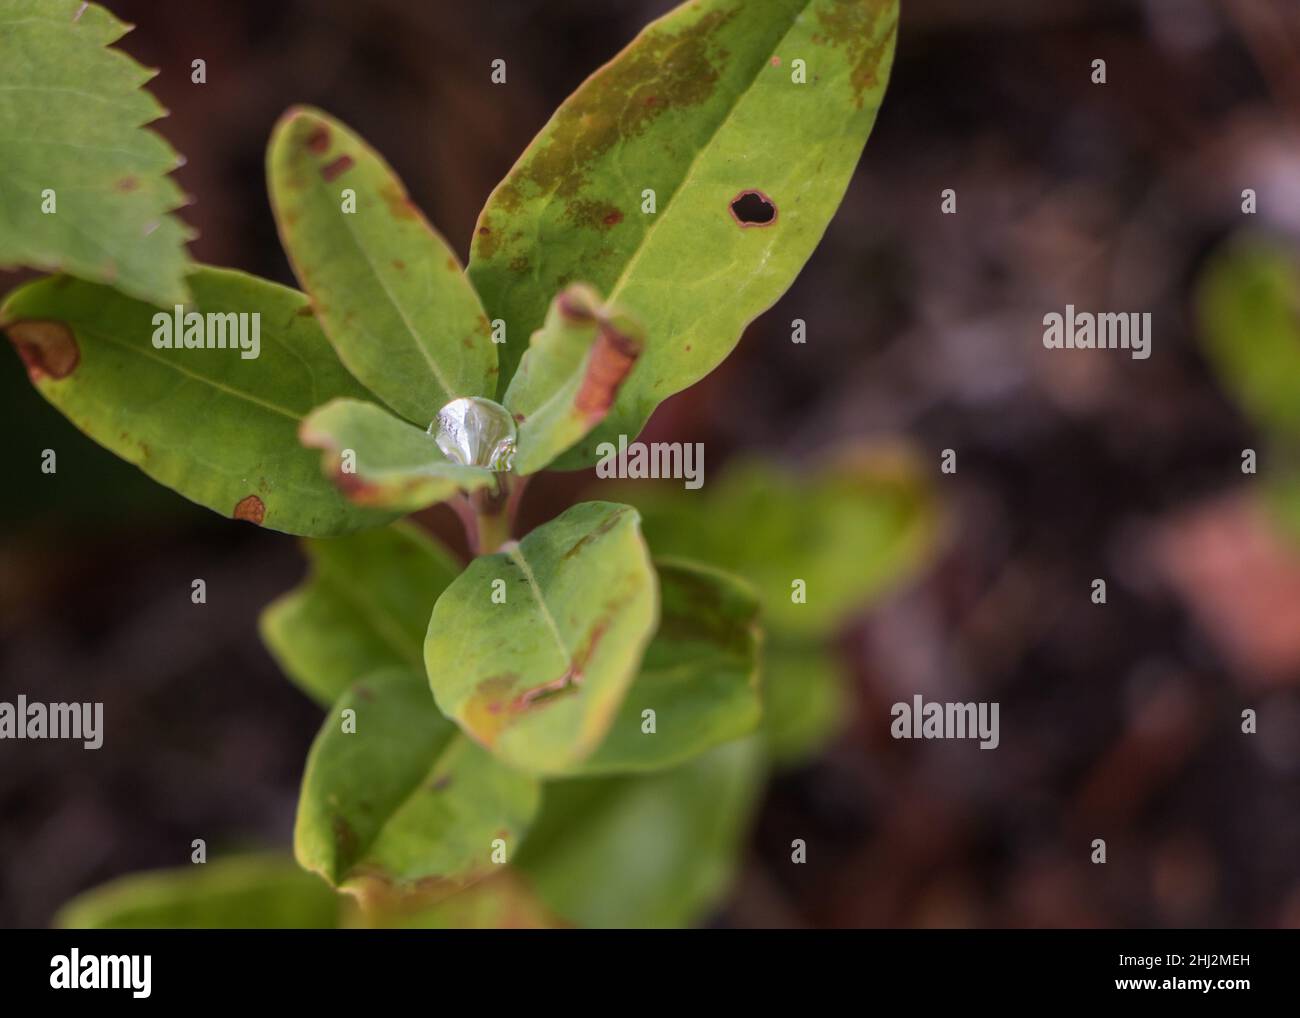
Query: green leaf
(395, 466)
(364, 607)
(804, 699)
(654, 850)
(239, 892)
(539, 678)
(72, 122)
(699, 674)
(858, 523)
(700, 108)
(569, 375)
(404, 804)
(1249, 299)
(388, 290)
(502, 902)
(220, 429)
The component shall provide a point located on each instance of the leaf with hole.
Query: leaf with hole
(365, 607)
(220, 429)
(387, 288)
(704, 114)
(532, 650)
(84, 186)
(404, 804)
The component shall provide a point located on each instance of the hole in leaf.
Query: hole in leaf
(753, 208)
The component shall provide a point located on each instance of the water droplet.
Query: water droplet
(475, 432)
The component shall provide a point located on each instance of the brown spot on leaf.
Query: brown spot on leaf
(594, 215)
(333, 169)
(305, 311)
(319, 140)
(48, 349)
(753, 208)
(610, 522)
(487, 242)
(399, 202)
(399, 265)
(546, 691)
(676, 69)
(853, 25)
(250, 508)
(358, 491)
(127, 184)
(485, 711)
(519, 264)
(569, 681)
(611, 359)
(345, 839)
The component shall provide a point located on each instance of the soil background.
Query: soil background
(1120, 721)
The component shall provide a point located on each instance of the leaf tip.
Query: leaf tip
(612, 358)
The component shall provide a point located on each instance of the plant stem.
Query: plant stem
(492, 517)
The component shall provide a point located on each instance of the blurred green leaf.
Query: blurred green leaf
(73, 123)
(1249, 302)
(540, 677)
(238, 892)
(394, 465)
(1280, 492)
(219, 429)
(364, 607)
(655, 850)
(387, 288)
(405, 803)
(701, 108)
(860, 522)
(699, 674)
(805, 701)
(569, 375)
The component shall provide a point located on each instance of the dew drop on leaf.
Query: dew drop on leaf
(475, 432)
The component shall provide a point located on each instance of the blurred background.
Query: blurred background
(1121, 722)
